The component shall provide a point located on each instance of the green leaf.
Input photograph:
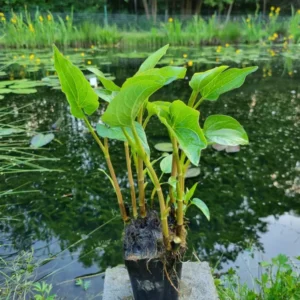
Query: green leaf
(224, 82)
(202, 206)
(41, 140)
(153, 59)
(183, 123)
(200, 80)
(190, 193)
(123, 109)
(172, 181)
(116, 133)
(265, 264)
(80, 94)
(163, 76)
(166, 164)
(107, 83)
(1, 97)
(105, 95)
(164, 147)
(225, 130)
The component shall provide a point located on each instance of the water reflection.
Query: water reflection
(243, 190)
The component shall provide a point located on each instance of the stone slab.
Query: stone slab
(197, 283)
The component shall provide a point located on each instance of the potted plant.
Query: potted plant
(154, 242)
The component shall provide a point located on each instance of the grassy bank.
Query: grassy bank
(22, 30)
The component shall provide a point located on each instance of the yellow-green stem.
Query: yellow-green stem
(105, 151)
(173, 174)
(179, 190)
(130, 179)
(198, 103)
(164, 217)
(193, 98)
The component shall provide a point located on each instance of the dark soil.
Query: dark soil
(143, 238)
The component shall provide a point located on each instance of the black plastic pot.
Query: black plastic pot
(149, 280)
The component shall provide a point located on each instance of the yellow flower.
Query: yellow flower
(31, 56)
(89, 62)
(38, 61)
(290, 73)
(170, 20)
(49, 17)
(291, 37)
(272, 8)
(23, 56)
(298, 11)
(31, 28)
(3, 19)
(227, 45)
(13, 20)
(185, 55)
(82, 54)
(67, 18)
(92, 46)
(270, 15)
(275, 35)
(219, 49)
(277, 11)
(41, 18)
(190, 63)
(1, 14)
(238, 51)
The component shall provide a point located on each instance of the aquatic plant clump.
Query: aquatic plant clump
(126, 118)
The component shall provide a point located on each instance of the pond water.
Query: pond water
(253, 195)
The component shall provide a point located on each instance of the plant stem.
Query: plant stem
(146, 121)
(198, 103)
(173, 174)
(141, 176)
(163, 211)
(193, 98)
(179, 190)
(105, 151)
(130, 179)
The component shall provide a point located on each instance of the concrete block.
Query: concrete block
(197, 283)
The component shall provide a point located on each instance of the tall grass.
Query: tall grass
(42, 30)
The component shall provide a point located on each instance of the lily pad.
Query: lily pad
(23, 91)
(1, 97)
(228, 149)
(164, 147)
(41, 140)
(192, 172)
(9, 131)
(5, 91)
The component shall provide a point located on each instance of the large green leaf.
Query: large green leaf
(5, 91)
(202, 206)
(162, 76)
(79, 93)
(183, 123)
(200, 80)
(107, 83)
(123, 109)
(116, 133)
(153, 59)
(224, 82)
(225, 130)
